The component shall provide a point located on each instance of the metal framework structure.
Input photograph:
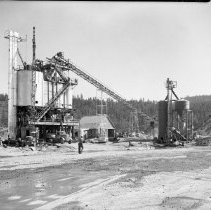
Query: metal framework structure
(173, 118)
(58, 65)
(59, 61)
(30, 114)
(49, 71)
(50, 104)
(14, 39)
(101, 103)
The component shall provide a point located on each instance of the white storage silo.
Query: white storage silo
(68, 98)
(39, 97)
(24, 88)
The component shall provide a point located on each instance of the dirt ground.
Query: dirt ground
(105, 176)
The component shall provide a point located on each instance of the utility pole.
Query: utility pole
(33, 71)
(33, 94)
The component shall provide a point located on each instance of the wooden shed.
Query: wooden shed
(99, 126)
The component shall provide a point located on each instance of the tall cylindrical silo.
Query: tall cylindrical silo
(39, 89)
(61, 97)
(66, 95)
(162, 120)
(47, 92)
(14, 38)
(24, 88)
(70, 98)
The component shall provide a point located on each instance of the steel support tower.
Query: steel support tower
(14, 38)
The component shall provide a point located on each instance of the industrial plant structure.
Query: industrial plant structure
(40, 99)
(175, 118)
(39, 95)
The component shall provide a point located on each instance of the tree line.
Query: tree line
(201, 106)
(117, 111)
(120, 114)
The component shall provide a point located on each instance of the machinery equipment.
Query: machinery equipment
(59, 61)
(40, 96)
(174, 117)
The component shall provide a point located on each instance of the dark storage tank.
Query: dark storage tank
(162, 120)
(182, 105)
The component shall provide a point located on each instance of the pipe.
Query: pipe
(33, 47)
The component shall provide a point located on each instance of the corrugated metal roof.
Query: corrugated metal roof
(96, 122)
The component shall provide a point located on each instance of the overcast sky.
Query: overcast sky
(130, 47)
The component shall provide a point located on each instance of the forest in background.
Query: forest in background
(117, 112)
(120, 114)
(201, 106)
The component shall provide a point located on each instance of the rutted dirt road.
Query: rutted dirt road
(110, 176)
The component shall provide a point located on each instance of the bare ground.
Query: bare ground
(113, 176)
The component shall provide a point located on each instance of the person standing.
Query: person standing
(80, 146)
